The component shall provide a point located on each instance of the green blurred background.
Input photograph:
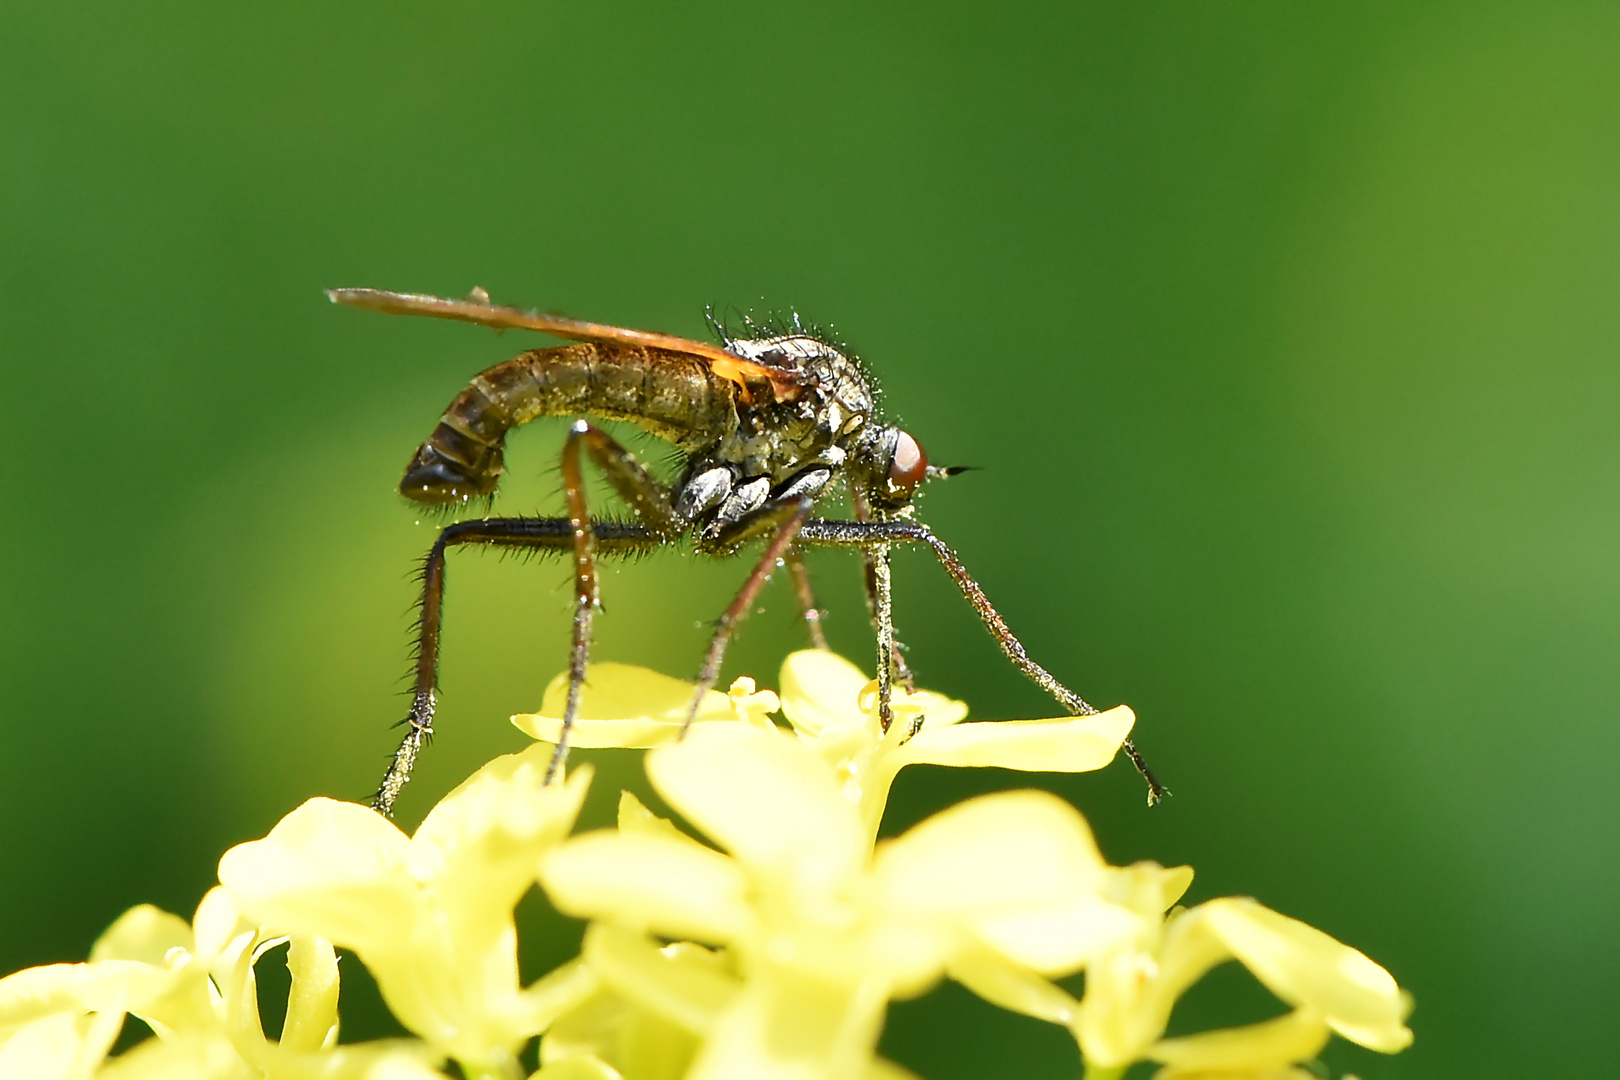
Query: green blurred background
(1283, 334)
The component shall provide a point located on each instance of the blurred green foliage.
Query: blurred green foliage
(1284, 336)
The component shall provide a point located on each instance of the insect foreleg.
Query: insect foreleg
(871, 535)
(882, 602)
(548, 534)
(869, 579)
(792, 516)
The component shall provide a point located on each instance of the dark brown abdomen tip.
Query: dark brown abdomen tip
(470, 470)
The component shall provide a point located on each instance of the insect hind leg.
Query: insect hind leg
(533, 534)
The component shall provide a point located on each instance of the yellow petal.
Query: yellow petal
(1012, 986)
(824, 694)
(36, 992)
(1146, 887)
(884, 1069)
(821, 691)
(508, 803)
(1130, 991)
(1063, 744)
(1304, 966)
(216, 923)
(1006, 854)
(639, 1023)
(106, 985)
(385, 1059)
(332, 869)
(1298, 1036)
(634, 817)
(1125, 1009)
(788, 1025)
(312, 999)
(577, 1067)
(555, 993)
(165, 943)
(683, 983)
(765, 797)
(143, 933)
(1272, 1072)
(1059, 939)
(430, 916)
(590, 1030)
(629, 733)
(66, 1046)
(647, 882)
(935, 710)
(1015, 872)
(622, 705)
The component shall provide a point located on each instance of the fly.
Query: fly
(767, 427)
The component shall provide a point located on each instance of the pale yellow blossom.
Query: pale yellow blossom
(832, 707)
(826, 931)
(1332, 987)
(771, 955)
(823, 930)
(430, 915)
(657, 1003)
(649, 1015)
(193, 985)
(1132, 986)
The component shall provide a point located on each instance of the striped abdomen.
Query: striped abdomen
(667, 394)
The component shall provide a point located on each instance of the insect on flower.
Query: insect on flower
(768, 426)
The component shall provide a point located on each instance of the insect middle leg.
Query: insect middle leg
(650, 501)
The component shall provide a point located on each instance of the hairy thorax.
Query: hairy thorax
(781, 448)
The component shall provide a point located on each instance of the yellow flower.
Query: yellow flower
(1132, 986)
(646, 1019)
(832, 707)
(650, 1016)
(430, 915)
(656, 1004)
(61, 1019)
(1332, 987)
(194, 986)
(823, 930)
(772, 955)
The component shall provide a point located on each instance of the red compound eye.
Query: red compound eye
(909, 465)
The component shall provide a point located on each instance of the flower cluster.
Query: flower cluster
(772, 951)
